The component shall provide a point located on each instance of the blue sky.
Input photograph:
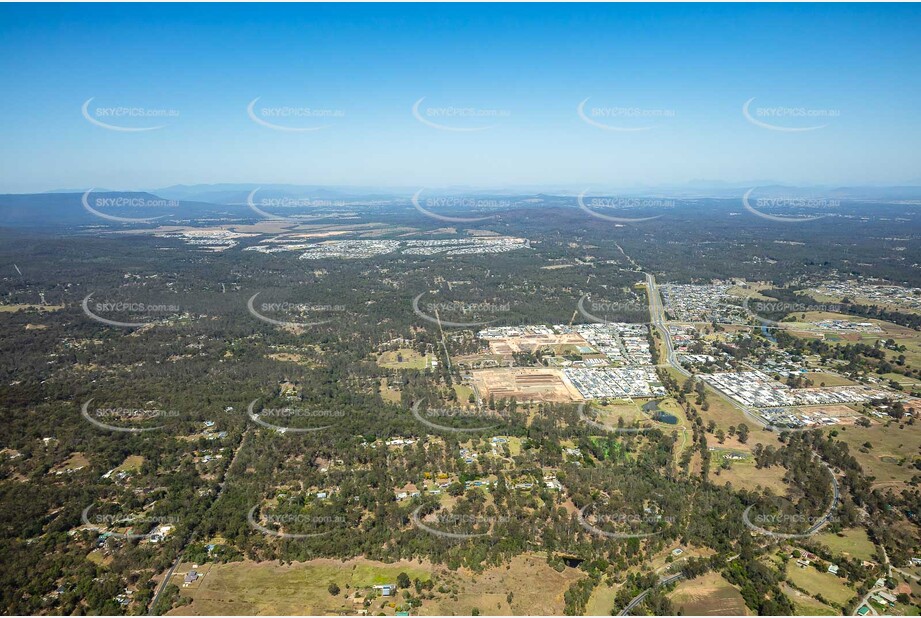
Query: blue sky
(678, 73)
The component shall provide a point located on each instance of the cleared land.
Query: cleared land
(744, 475)
(302, 588)
(525, 384)
(852, 542)
(891, 454)
(708, 595)
(404, 358)
(830, 587)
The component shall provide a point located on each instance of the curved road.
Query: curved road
(642, 596)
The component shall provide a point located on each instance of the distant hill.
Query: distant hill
(107, 208)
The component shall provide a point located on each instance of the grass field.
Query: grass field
(828, 379)
(269, 588)
(602, 600)
(815, 582)
(463, 393)
(890, 445)
(629, 411)
(132, 462)
(744, 475)
(854, 543)
(708, 595)
(410, 359)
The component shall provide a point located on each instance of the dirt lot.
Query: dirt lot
(529, 343)
(525, 384)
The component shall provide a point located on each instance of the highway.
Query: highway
(657, 317)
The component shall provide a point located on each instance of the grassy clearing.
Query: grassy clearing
(852, 542)
(463, 393)
(404, 358)
(390, 395)
(816, 582)
(602, 600)
(744, 475)
(708, 595)
(132, 462)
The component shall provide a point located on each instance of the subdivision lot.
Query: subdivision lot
(525, 384)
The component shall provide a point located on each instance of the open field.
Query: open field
(390, 395)
(744, 475)
(301, 588)
(708, 595)
(404, 358)
(890, 446)
(822, 378)
(629, 411)
(602, 600)
(463, 393)
(853, 542)
(525, 384)
(831, 587)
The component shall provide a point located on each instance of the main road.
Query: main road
(657, 317)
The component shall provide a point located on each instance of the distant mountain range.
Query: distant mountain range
(213, 202)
